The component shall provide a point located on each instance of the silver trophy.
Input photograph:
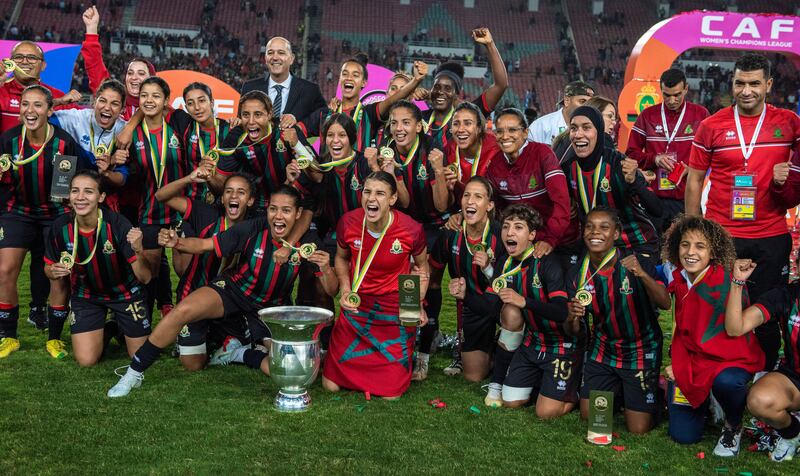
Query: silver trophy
(294, 353)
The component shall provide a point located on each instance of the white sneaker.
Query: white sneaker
(784, 449)
(224, 355)
(494, 396)
(128, 381)
(728, 443)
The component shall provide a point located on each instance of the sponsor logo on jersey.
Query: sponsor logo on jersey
(503, 185)
(258, 253)
(730, 135)
(139, 145)
(357, 244)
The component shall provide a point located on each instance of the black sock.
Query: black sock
(56, 317)
(8, 321)
(433, 300)
(792, 430)
(253, 358)
(164, 289)
(502, 360)
(145, 356)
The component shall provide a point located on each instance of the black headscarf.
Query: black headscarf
(597, 121)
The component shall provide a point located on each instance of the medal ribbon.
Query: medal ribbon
(671, 137)
(39, 152)
(356, 114)
(582, 186)
(94, 146)
(75, 239)
(241, 140)
(159, 161)
(361, 271)
(200, 138)
(748, 151)
(516, 270)
(411, 153)
(328, 166)
(585, 267)
(475, 162)
(484, 236)
(447, 117)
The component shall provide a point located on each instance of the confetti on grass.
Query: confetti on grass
(360, 408)
(618, 448)
(700, 455)
(475, 410)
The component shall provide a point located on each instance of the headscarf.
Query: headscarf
(597, 121)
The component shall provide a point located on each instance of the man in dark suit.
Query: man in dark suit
(293, 98)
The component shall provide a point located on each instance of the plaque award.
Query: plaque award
(63, 170)
(410, 308)
(601, 417)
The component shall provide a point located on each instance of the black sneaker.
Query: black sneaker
(729, 441)
(38, 318)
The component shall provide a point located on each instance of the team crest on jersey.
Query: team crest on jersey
(422, 172)
(533, 183)
(794, 320)
(193, 139)
(280, 146)
(108, 248)
(139, 145)
(184, 331)
(605, 185)
(777, 133)
(250, 154)
(220, 284)
(354, 184)
(730, 135)
(626, 287)
(397, 248)
(173, 142)
(295, 258)
(537, 283)
(688, 129)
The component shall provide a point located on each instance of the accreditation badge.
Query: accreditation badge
(664, 183)
(743, 197)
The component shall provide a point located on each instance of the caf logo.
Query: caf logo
(605, 185)
(600, 403)
(354, 185)
(408, 284)
(108, 248)
(397, 248)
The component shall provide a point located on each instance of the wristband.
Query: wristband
(739, 282)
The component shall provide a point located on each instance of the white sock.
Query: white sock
(423, 357)
(238, 355)
(495, 390)
(133, 373)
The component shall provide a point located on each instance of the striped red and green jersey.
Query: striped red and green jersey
(108, 276)
(418, 177)
(451, 250)
(367, 119)
(202, 221)
(28, 186)
(193, 155)
(265, 161)
(257, 276)
(784, 304)
(625, 331)
(439, 134)
(614, 192)
(147, 160)
(542, 281)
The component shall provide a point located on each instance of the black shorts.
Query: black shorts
(478, 331)
(150, 236)
(432, 234)
(235, 304)
(90, 315)
(639, 388)
(22, 231)
(195, 337)
(555, 376)
(793, 376)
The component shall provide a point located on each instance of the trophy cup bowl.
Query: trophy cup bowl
(294, 353)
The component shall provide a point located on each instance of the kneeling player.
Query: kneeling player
(776, 395)
(257, 282)
(202, 220)
(534, 296)
(103, 257)
(624, 350)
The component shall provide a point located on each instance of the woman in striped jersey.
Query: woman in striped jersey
(101, 255)
(28, 157)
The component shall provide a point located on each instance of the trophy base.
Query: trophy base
(292, 402)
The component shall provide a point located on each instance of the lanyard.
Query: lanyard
(585, 267)
(39, 152)
(582, 186)
(747, 151)
(671, 137)
(361, 271)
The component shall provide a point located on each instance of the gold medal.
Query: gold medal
(304, 162)
(100, 150)
(308, 249)
(8, 65)
(584, 297)
(498, 284)
(210, 198)
(387, 153)
(353, 299)
(453, 167)
(213, 155)
(478, 247)
(5, 163)
(66, 260)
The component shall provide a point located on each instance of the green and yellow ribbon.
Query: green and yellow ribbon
(99, 149)
(361, 271)
(68, 259)
(447, 117)
(38, 153)
(582, 187)
(411, 153)
(240, 141)
(159, 163)
(475, 162)
(200, 138)
(584, 270)
(328, 166)
(500, 282)
(484, 236)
